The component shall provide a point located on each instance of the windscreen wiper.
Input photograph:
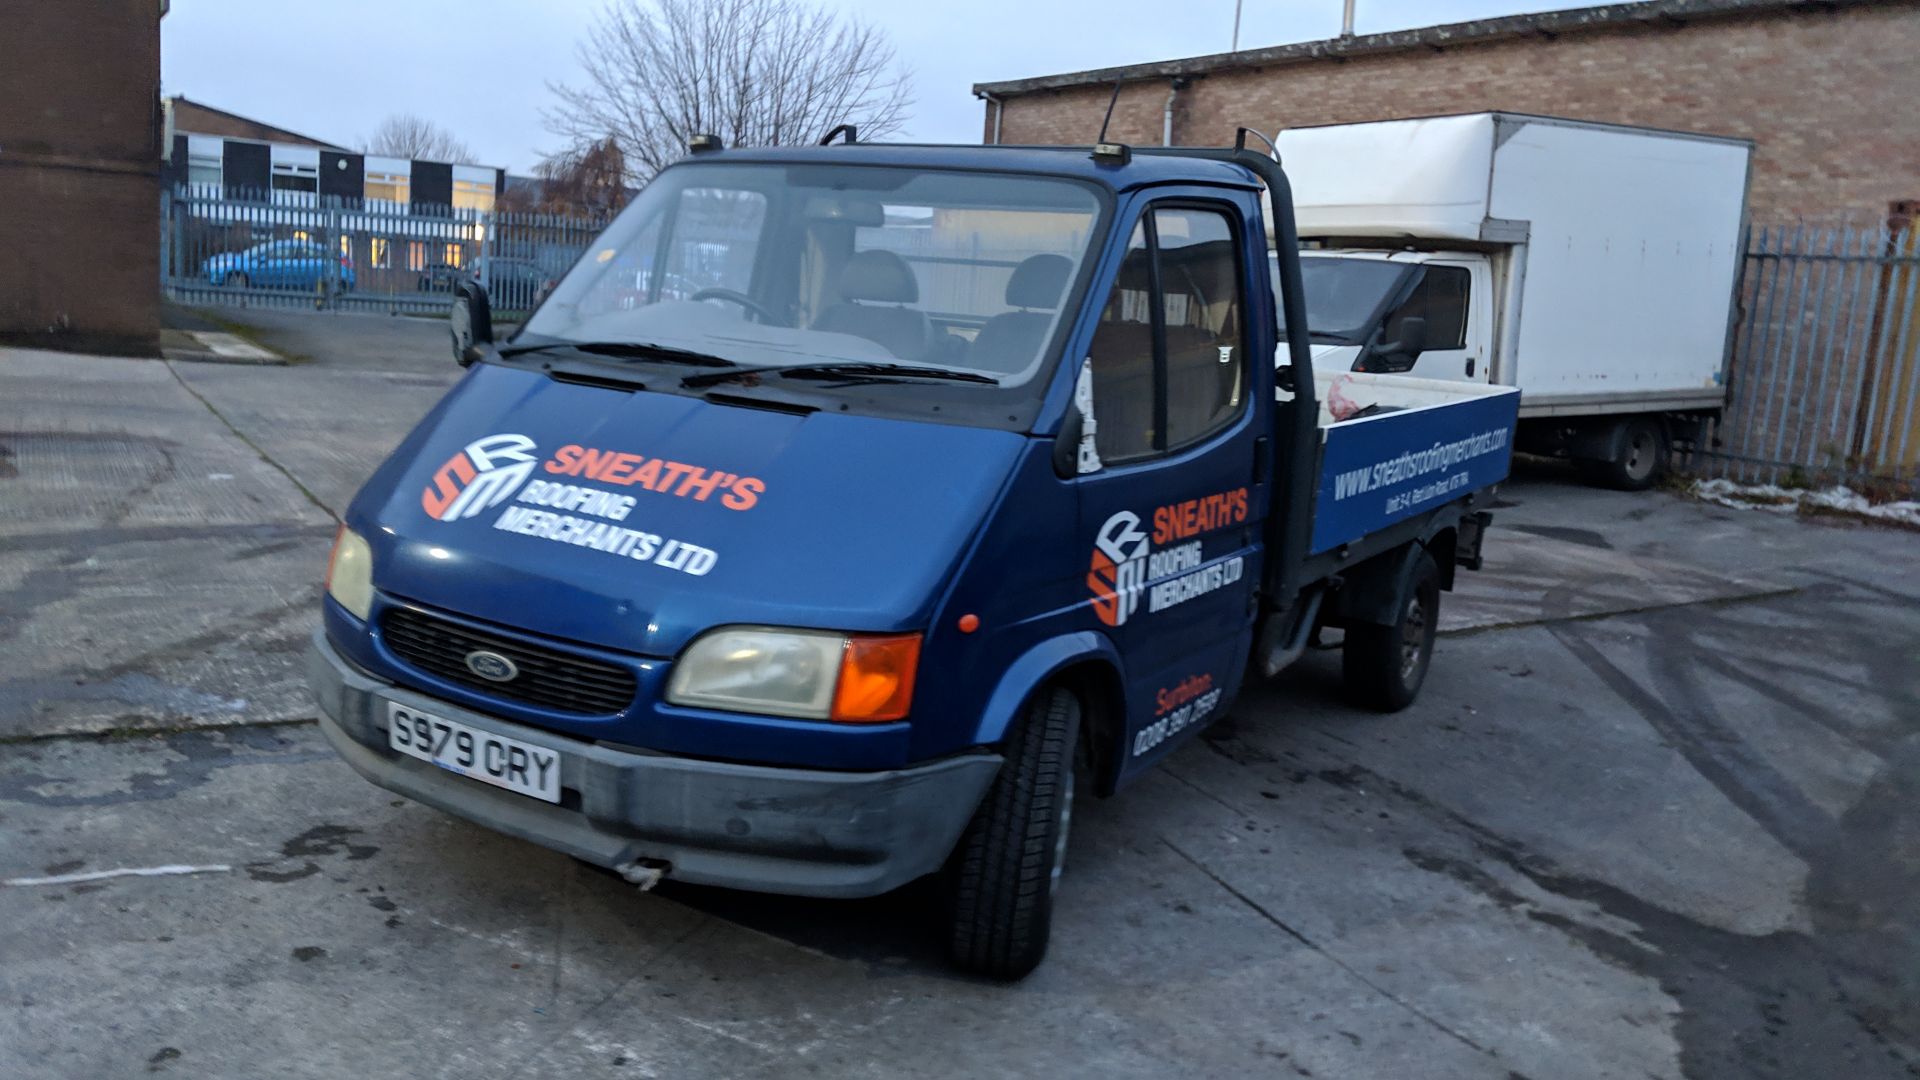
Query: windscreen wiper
(848, 370)
(630, 350)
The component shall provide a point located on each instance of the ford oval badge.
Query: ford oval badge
(491, 666)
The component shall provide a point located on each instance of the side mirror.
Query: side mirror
(471, 321)
(1397, 356)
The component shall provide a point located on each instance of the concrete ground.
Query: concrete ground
(1656, 814)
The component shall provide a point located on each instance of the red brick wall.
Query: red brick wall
(1831, 99)
(79, 174)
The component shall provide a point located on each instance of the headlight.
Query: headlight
(811, 674)
(350, 573)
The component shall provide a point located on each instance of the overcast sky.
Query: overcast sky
(480, 67)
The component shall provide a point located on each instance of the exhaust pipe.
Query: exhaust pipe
(646, 873)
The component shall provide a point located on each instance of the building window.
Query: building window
(387, 187)
(298, 184)
(454, 251)
(472, 195)
(379, 253)
(416, 255)
(203, 171)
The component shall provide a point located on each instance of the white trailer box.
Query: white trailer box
(1609, 253)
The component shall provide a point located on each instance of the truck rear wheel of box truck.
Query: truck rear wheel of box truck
(1384, 666)
(1001, 877)
(1637, 459)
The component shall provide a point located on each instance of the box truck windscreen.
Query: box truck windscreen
(1345, 296)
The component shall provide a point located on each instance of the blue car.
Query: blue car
(277, 264)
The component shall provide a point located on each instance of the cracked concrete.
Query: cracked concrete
(1656, 814)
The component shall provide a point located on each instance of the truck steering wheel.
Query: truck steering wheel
(740, 298)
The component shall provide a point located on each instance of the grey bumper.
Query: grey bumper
(800, 831)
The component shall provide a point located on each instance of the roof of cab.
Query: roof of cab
(1069, 161)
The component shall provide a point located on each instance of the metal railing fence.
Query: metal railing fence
(1824, 383)
(258, 249)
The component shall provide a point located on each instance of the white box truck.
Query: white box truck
(1590, 265)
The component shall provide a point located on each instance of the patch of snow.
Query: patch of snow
(131, 871)
(1779, 500)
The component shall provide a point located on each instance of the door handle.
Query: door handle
(1470, 362)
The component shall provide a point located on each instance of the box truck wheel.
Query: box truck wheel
(1000, 880)
(1383, 666)
(1640, 449)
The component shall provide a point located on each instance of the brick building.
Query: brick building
(219, 152)
(1825, 88)
(80, 148)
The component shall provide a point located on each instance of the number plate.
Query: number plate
(491, 759)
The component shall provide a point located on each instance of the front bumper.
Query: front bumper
(799, 831)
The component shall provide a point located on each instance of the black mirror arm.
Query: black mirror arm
(1066, 445)
(471, 321)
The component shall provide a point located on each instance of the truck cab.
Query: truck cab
(847, 512)
(1359, 302)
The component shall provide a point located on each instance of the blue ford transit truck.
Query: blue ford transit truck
(847, 512)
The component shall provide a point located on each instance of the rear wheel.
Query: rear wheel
(1641, 459)
(1000, 880)
(1384, 666)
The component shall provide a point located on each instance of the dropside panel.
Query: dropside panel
(1430, 443)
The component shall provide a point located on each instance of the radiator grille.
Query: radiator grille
(547, 677)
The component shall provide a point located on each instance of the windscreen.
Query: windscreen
(766, 265)
(1345, 295)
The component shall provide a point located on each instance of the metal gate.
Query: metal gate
(1825, 378)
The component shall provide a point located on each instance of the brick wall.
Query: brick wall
(1830, 98)
(79, 174)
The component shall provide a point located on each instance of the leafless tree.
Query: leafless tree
(589, 181)
(754, 72)
(405, 135)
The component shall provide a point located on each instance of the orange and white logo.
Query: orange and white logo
(485, 474)
(1119, 569)
(1169, 565)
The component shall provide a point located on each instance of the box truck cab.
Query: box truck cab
(847, 512)
(1591, 266)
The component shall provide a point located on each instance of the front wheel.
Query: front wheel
(235, 280)
(1384, 666)
(1000, 880)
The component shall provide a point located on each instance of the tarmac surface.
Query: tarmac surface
(1657, 812)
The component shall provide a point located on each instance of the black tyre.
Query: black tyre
(235, 281)
(999, 883)
(1384, 666)
(1642, 461)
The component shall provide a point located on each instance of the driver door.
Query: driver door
(1169, 512)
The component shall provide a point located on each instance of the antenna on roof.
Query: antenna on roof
(1109, 117)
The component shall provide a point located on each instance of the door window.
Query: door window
(1441, 299)
(1167, 359)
